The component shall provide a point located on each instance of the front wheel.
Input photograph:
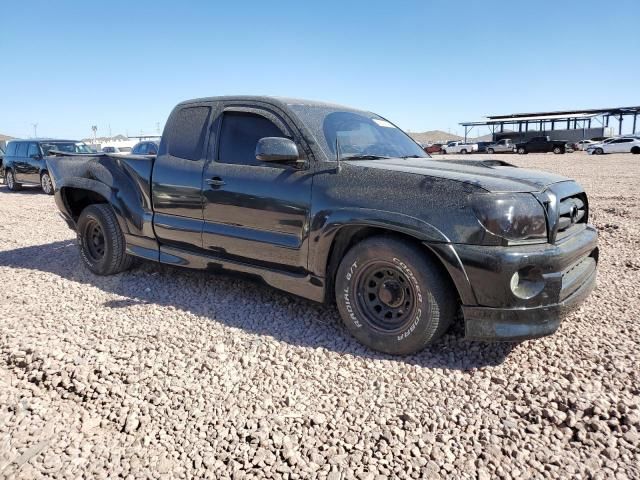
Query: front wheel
(490, 151)
(599, 151)
(10, 180)
(557, 150)
(463, 151)
(521, 151)
(392, 297)
(102, 244)
(46, 183)
(635, 150)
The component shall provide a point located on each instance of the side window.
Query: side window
(152, 149)
(187, 132)
(239, 135)
(22, 149)
(33, 150)
(11, 149)
(140, 149)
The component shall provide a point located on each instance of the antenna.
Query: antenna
(338, 167)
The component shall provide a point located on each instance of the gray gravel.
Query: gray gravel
(176, 374)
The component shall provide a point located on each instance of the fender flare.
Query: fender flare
(326, 225)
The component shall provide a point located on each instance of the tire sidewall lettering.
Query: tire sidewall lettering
(348, 294)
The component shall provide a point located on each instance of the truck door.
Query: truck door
(254, 212)
(177, 178)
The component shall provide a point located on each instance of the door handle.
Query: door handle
(216, 182)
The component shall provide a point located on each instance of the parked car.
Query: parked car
(25, 164)
(1, 160)
(339, 205)
(459, 147)
(628, 144)
(482, 146)
(505, 145)
(148, 147)
(115, 150)
(434, 148)
(582, 145)
(542, 144)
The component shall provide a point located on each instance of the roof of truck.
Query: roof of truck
(283, 101)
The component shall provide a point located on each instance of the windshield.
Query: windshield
(68, 147)
(359, 134)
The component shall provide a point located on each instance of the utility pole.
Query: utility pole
(35, 130)
(157, 127)
(95, 129)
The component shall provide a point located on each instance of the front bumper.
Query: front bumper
(494, 308)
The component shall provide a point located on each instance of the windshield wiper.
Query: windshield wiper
(363, 157)
(413, 156)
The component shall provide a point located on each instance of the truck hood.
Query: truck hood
(490, 175)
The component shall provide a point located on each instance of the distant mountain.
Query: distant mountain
(5, 138)
(433, 136)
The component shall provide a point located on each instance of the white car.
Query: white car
(582, 145)
(616, 145)
(460, 147)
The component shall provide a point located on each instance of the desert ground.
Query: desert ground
(166, 373)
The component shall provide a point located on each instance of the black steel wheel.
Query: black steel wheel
(102, 243)
(392, 296)
(386, 296)
(94, 240)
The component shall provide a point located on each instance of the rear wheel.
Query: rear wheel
(463, 151)
(522, 151)
(46, 183)
(102, 244)
(490, 151)
(10, 180)
(635, 150)
(392, 297)
(557, 150)
(598, 151)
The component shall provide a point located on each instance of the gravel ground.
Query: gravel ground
(175, 374)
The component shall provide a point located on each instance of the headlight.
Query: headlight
(513, 217)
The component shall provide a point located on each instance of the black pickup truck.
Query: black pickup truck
(339, 205)
(542, 145)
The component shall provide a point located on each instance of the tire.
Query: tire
(522, 150)
(46, 184)
(463, 151)
(598, 151)
(557, 150)
(393, 297)
(490, 151)
(635, 150)
(10, 181)
(102, 244)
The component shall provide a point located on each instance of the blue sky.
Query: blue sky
(68, 65)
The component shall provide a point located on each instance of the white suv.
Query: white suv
(616, 145)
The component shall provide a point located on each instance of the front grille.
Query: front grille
(573, 213)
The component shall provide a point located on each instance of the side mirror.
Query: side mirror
(277, 149)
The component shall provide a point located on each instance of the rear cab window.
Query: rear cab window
(187, 132)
